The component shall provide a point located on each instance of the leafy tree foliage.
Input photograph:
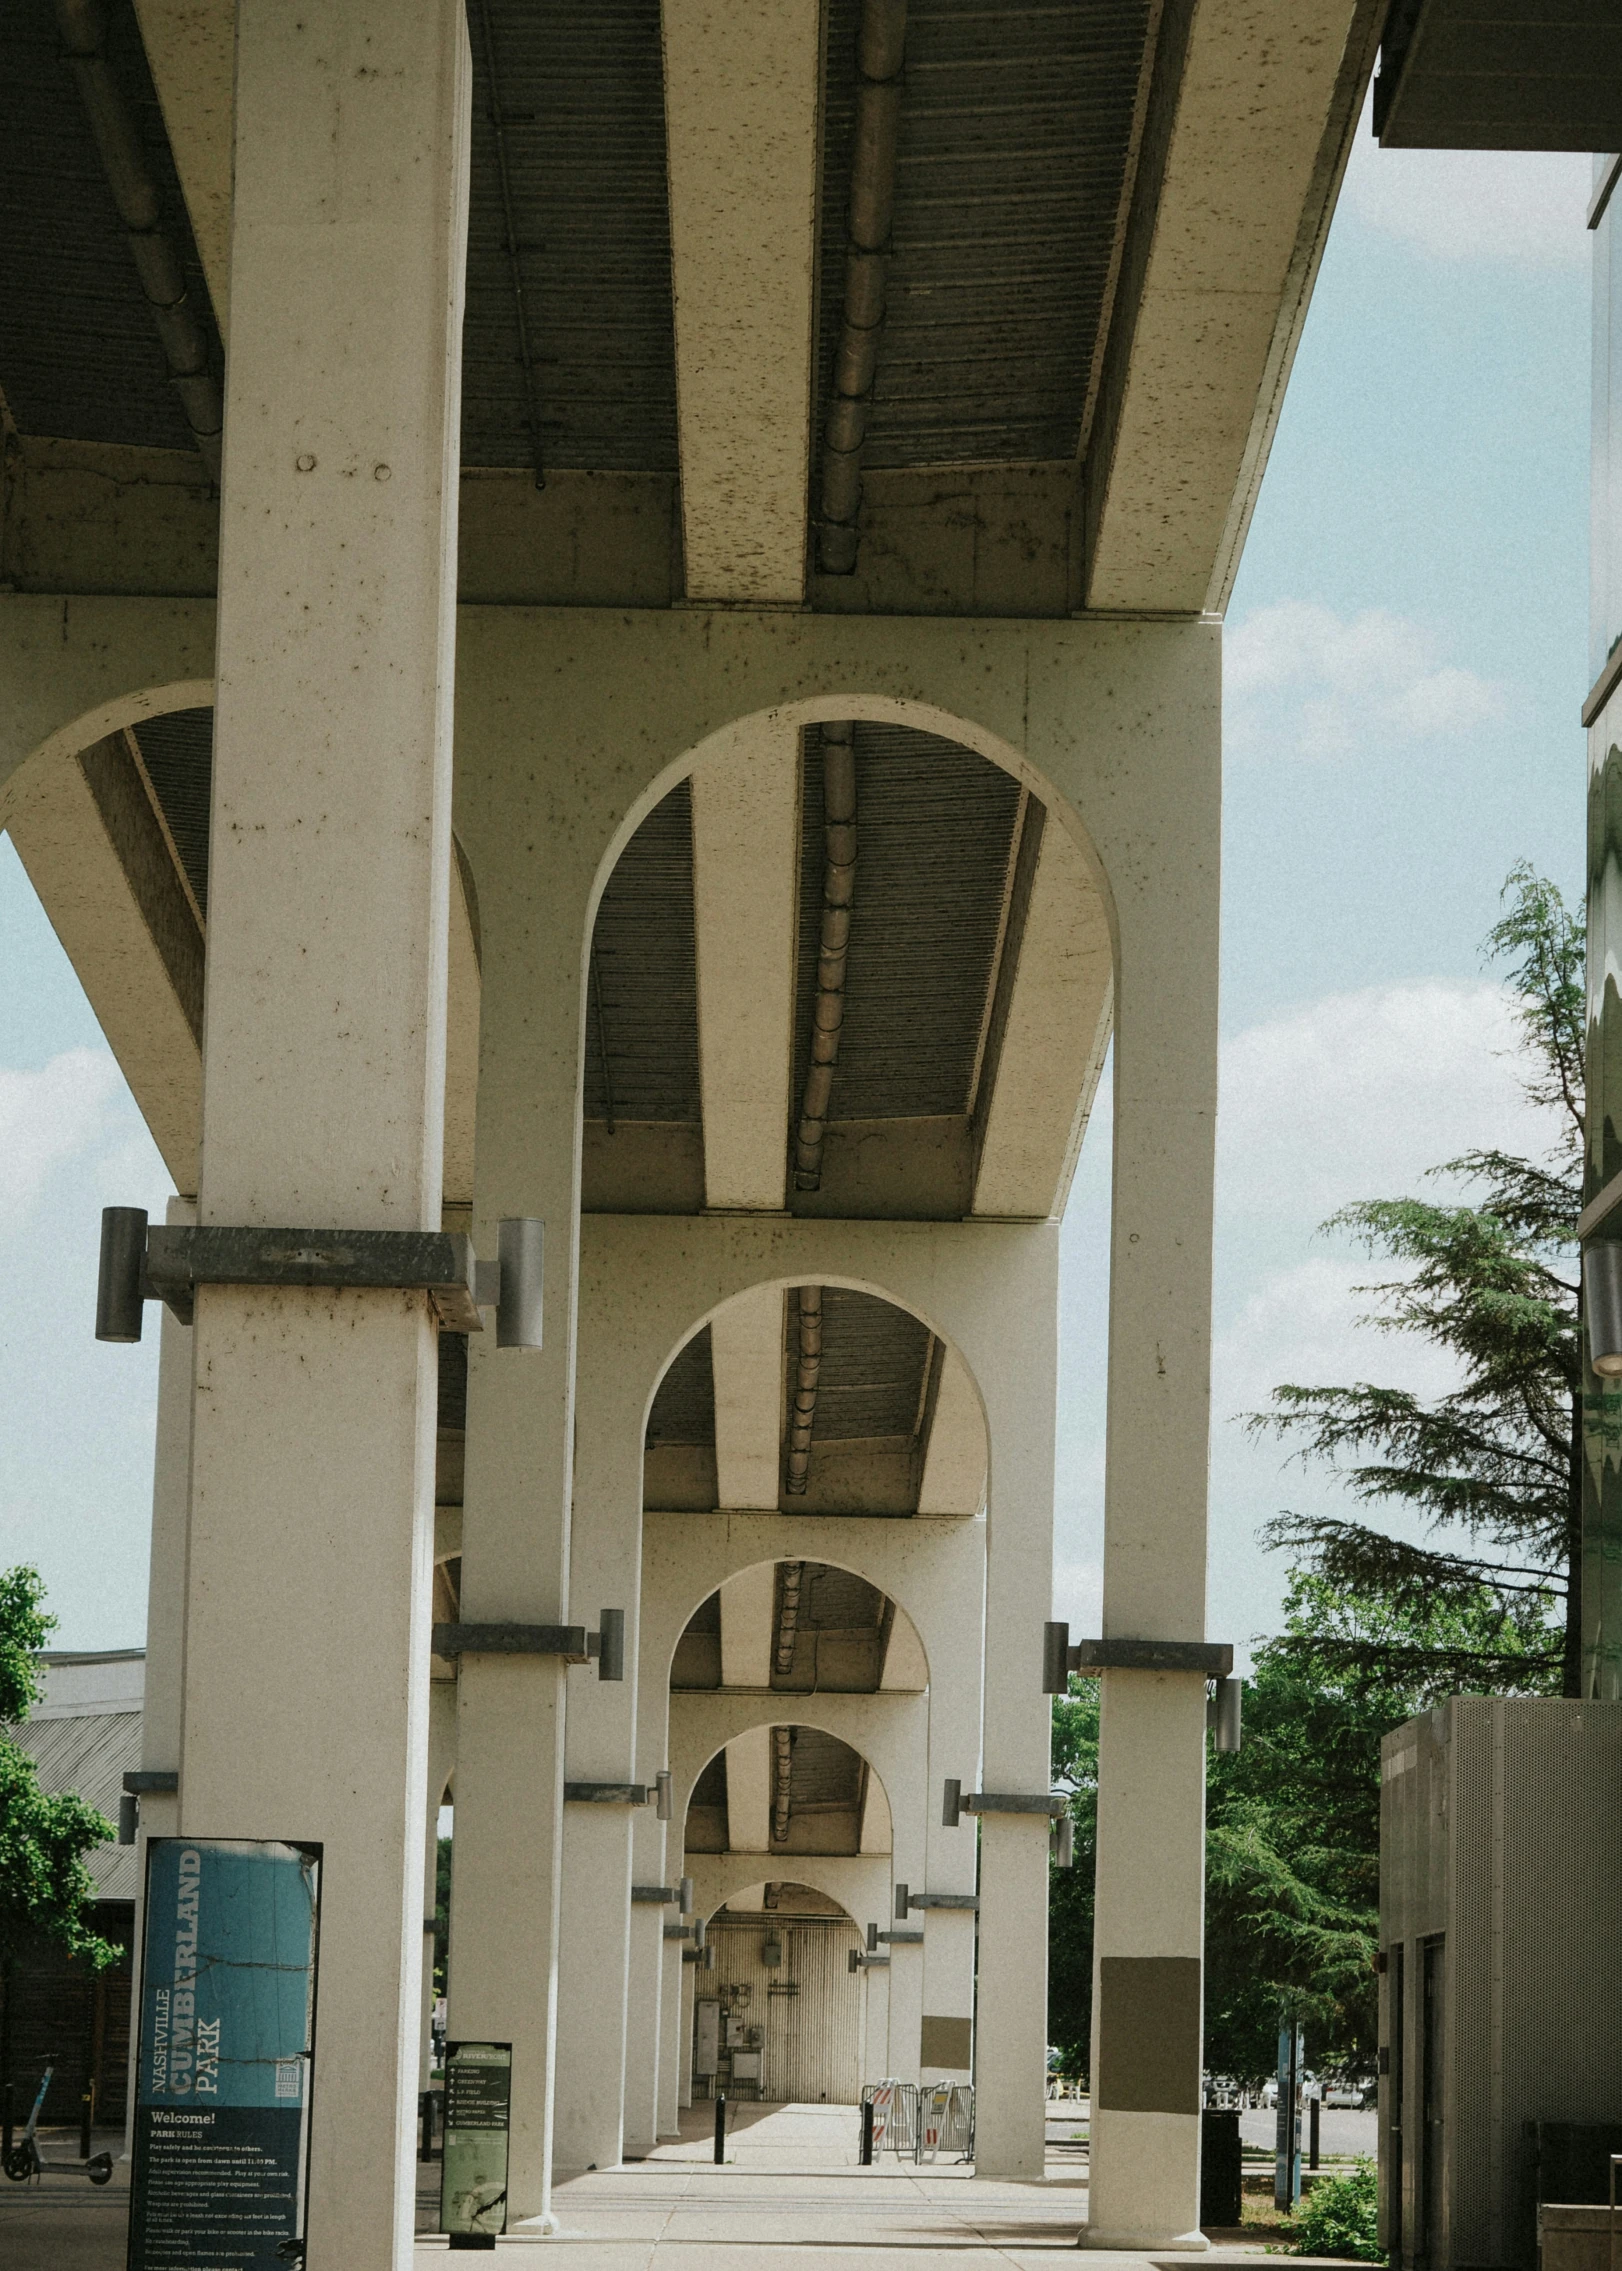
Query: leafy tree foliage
(1495, 1465)
(44, 1884)
(1293, 1817)
(1070, 1891)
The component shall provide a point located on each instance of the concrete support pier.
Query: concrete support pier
(306, 1663)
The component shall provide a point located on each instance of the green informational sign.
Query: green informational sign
(478, 2101)
(222, 2090)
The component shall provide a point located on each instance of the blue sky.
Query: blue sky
(1406, 656)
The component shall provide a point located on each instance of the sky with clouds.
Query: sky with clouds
(1405, 657)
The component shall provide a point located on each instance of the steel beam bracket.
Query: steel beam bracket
(570, 1641)
(957, 1801)
(907, 1901)
(168, 1264)
(1213, 1660)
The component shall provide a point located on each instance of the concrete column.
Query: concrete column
(671, 2100)
(644, 2047)
(876, 2022)
(908, 1799)
(306, 1684)
(946, 2046)
(161, 1707)
(1146, 2052)
(594, 1946)
(1011, 2044)
(684, 2036)
(441, 1761)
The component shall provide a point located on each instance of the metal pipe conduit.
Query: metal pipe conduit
(838, 898)
(788, 1615)
(880, 49)
(782, 1767)
(83, 26)
(804, 1409)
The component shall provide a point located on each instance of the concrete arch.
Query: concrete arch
(815, 1275)
(785, 720)
(844, 1560)
(750, 1721)
(810, 1869)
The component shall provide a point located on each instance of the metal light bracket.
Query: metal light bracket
(570, 1641)
(606, 1793)
(858, 1959)
(661, 1794)
(656, 1896)
(957, 1801)
(876, 1939)
(1224, 1714)
(907, 1901)
(1211, 1659)
(168, 1264)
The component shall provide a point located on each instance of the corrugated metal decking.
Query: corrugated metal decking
(1016, 131)
(684, 1405)
(936, 823)
(79, 357)
(582, 100)
(644, 977)
(873, 1361)
(177, 750)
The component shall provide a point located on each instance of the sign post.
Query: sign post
(227, 2042)
(473, 2181)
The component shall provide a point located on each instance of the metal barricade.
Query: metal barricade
(946, 2121)
(895, 2116)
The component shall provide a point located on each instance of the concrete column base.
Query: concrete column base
(1145, 2242)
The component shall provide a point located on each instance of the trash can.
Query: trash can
(1221, 2195)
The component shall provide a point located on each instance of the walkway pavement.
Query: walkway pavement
(792, 2197)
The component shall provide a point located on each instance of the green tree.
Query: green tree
(1293, 1817)
(44, 1884)
(1070, 1891)
(1496, 1463)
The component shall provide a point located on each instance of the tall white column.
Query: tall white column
(955, 1682)
(518, 1485)
(1011, 2035)
(161, 1708)
(306, 1704)
(441, 1761)
(1149, 1912)
(671, 2100)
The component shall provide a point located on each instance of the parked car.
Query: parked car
(1349, 2094)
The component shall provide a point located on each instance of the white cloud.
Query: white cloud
(1356, 1095)
(1302, 1324)
(1526, 208)
(46, 1118)
(1299, 677)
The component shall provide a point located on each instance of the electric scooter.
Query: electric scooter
(23, 2161)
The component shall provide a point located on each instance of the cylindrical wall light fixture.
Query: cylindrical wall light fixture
(1602, 1306)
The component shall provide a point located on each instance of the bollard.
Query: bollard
(1312, 2132)
(720, 2131)
(87, 2112)
(427, 2110)
(867, 2132)
(5, 2122)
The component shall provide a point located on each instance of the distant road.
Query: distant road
(1341, 2132)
